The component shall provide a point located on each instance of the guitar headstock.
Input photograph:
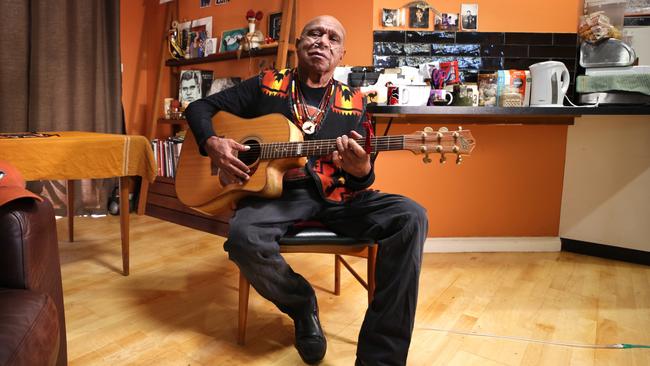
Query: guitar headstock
(459, 142)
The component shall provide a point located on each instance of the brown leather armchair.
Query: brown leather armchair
(32, 323)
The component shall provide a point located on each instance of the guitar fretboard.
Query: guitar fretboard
(277, 150)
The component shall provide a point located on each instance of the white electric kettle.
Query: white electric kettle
(550, 82)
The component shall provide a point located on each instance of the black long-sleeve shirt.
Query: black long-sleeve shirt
(251, 99)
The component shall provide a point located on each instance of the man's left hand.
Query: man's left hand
(350, 156)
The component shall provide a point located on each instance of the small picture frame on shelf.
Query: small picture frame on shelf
(418, 17)
(275, 21)
(211, 46)
(390, 18)
(449, 22)
(469, 17)
(231, 39)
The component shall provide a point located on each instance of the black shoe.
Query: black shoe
(310, 341)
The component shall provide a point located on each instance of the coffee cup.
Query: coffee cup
(440, 97)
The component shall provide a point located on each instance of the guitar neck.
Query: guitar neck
(278, 150)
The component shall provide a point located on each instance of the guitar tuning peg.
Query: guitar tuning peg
(459, 159)
(443, 158)
(443, 129)
(426, 159)
(428, 130)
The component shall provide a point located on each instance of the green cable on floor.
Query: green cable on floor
(565, 344)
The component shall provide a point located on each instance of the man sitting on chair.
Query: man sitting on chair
(331, 189)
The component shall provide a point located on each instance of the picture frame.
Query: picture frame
(418, 17)
(211, 46)
(275, 21)
(189, 86)
(230, 39)
(193, 85)
(202, 24)
(390, 18)
(449, 22)
(469, 17)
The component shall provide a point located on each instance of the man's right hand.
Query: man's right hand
(223, 153)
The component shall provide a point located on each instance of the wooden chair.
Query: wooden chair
(314, 238)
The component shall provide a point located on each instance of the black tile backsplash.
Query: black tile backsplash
(388, 48)
(417, 49)
(389, 36)
(565, 39)
(480, 37)
(504, 50)
(430, 37)
(438, 49)
(529, 38)
(552, 51)
(488, 51)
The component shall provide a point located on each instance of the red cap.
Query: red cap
(12, 184)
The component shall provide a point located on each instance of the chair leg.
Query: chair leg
(244, 289)
(337, 274)
(372, 261)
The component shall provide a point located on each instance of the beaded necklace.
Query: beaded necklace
(307, 122)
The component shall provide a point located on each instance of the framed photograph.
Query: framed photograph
(202, 24)
(204, 3)
(390, 18)
(189, 88)
(211, 46)
(275, 20)
(193, 85)
(230, 39)
(449, 22)
(469, 16)
(221, 2)
(418, 17)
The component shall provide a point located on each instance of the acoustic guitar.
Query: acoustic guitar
(276, 146)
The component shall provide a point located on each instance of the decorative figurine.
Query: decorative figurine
(254, 38)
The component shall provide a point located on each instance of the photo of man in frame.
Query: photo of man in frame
(418, 17)
(190, 86)
(469, 14)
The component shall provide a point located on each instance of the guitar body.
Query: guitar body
(204, 189)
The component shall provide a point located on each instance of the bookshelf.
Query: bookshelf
(160, 199)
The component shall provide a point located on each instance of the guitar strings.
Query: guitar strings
(316, 147)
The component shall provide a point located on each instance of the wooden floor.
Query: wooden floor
(179, 305)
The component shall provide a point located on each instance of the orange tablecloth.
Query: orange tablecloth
(83, 155)
(80, 155)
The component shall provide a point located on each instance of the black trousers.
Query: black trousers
(398, 224)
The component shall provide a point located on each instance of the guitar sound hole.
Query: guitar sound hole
(251, 156)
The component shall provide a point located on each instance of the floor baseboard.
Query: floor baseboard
(606, 251)
(493, 244)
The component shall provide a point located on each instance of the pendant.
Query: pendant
(308, 127)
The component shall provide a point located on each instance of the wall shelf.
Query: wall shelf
(225, 56)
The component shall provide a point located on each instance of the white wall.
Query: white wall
(606, 195)
(640, 43)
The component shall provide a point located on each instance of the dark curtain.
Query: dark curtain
(61, 72)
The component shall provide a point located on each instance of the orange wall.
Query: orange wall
(510, 186)
(503, 15)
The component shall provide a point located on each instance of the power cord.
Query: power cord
(586, 105)
(531, 340)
